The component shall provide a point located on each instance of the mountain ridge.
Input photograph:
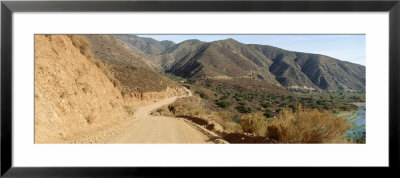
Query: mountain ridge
(194, 59)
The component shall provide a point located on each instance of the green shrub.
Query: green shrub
(241, 103)
(356, 134)
(244, 109)
(265, 104)
(237, 99)
(282, 104)
(223, 104)
(224, 97)
(268, 113)
(314, 106)
(202, 94)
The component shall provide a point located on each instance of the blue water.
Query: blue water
(358, 129)
(361, 120)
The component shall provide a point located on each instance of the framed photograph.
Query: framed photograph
(136, 88)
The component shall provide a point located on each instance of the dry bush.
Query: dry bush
(224, 115)
(225, 118)
(193, 111)
(189, 106)
(232, 127)
(254, 123)
(302, 126)
(307, 126)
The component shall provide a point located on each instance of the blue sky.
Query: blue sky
(344, 47)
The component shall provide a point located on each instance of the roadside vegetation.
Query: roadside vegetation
(301, 126)
(240, 101)
(275, 118)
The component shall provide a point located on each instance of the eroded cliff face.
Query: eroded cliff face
(73, 96)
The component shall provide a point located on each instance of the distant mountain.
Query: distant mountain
(227, 58)
(293, 70)
(174, 53)
(230, 59)
(147, 45)
(167, 44)
(163, 54)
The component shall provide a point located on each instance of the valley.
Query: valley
(131, 89)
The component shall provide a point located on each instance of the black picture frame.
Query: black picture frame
(8, 7)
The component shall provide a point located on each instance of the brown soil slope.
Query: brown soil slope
(128, 66)
(73, 97)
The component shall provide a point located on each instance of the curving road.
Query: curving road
(159, 129)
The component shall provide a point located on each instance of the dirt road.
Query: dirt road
(159, 129)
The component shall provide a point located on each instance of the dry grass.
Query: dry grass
(302, 126)
(189, 106)
(254, 123)
(232, 127)
(307, 126)
(195, 107)
(82, 44)
(225, 118)
(193, 111)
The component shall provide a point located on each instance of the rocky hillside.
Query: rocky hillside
(130, 67)
(73, 96)
(230, 59)
(304, 70)
(293, 70)
(226, 58)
